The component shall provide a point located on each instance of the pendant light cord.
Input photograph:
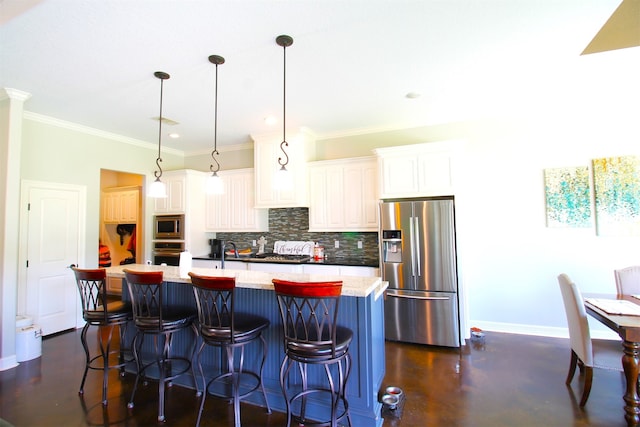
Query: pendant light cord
(215, 129)
(162, 76)
(284, 41)
(216, 60)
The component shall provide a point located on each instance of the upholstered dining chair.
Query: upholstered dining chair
(582, 348)
(628, 280)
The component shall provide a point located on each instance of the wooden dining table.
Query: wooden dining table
(628, 327)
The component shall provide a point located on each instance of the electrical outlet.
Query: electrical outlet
(359, 244)
(336, 244)
(254, 243)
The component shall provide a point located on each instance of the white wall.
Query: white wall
(588, 109)
(67, 153)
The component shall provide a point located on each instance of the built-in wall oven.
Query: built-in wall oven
(167, 252)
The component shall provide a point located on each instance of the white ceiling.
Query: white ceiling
(91, 62)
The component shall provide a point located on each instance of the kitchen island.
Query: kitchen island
(361, 309)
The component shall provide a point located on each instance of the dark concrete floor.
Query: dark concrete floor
(507, 380)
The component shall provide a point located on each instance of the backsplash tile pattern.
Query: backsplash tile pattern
(293, 224)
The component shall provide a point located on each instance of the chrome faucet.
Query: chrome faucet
(224, 250)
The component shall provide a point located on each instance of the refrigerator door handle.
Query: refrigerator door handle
(412, 237)
(416, 244)
(418, 298)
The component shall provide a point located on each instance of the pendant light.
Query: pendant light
(214, 182)
(157, 188)
(284, 180)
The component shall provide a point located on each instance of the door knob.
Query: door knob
(71, 266)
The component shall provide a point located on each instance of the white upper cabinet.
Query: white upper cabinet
(343, 195)
(120, 205)
(234, 210)
(175, 202)
(420, 170)
(300, 149)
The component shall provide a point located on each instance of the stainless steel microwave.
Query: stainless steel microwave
(168, 227)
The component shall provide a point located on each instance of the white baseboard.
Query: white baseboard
(8, 363)
(544, 331)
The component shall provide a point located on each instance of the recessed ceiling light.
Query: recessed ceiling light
(412, 95)
(270, 120)
(174, 135)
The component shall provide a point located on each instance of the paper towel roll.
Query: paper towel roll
(185, 263)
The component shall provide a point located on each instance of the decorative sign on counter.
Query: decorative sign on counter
(293, 247)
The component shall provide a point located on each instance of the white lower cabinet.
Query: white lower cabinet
(205, 263)
(340, 270)
(216, 264)
(332, 270)
(268, 267)
(350, 270)
(235, 265)
(274, 268)
(114, 285)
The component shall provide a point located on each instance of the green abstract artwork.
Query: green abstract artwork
(617, 195)
(568, 197)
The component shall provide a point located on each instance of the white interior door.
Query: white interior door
(55, 231)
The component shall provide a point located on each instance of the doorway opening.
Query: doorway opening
(121, 219)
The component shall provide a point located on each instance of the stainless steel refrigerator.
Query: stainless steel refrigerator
(418, 259)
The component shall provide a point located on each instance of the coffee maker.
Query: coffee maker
(217, 246)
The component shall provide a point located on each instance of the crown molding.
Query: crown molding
(18, 95)
(222, 149)
(96, 132)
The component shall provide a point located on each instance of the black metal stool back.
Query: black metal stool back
(152, 316)
(221, 326)
(98, 311)
(309, 313)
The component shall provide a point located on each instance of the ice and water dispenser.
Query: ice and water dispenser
(391, 246)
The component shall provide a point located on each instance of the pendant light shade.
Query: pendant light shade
(214, 183)
(284, 180)
(157, 188)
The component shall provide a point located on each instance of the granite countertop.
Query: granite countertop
(355, 262)
(354, 286)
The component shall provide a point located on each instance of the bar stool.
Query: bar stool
(97, 311)
(309, 312)
(152, 316)
(221, 326)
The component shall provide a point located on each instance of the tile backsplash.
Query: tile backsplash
(293, 224)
